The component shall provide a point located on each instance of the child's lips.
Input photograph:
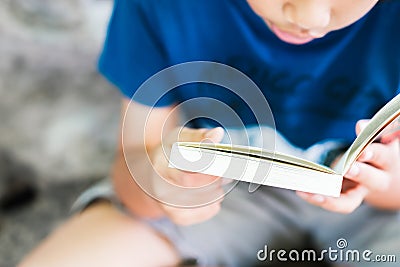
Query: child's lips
(291, 37)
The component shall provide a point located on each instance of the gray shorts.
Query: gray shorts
(274, 225)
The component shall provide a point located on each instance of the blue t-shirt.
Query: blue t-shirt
(316, 91)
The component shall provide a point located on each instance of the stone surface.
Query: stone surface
(57, 113)
(59, 117)
(48, 13)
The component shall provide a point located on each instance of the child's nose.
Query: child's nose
(308, 14)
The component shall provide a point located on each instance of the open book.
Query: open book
(260, 166)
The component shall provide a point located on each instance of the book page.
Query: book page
(378, 122)
(261, 154)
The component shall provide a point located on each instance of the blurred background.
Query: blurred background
(58, 116)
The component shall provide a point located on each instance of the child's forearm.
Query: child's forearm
(127, 188)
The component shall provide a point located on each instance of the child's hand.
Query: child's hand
(372, 174)
(188, 215)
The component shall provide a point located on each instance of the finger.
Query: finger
(226, 181)
(391, 132)
(191, 135)
(346, 203)
(360, 125)
(215, 135)
(184, 134)
(201, 135)
(380, 155)
(369, 176)
(192, 179)
(188, 196)
(390, 136)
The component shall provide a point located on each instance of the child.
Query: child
(321, 65)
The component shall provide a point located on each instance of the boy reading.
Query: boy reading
(322, 65)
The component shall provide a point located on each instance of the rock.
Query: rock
(48, 13)
(56, 112)
(17, 182)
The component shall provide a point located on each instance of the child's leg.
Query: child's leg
(247, 225)
(103, 236)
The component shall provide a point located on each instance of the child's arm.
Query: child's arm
(132, 128)
(144, 130)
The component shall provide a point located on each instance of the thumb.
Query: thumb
(215, 135)
(360, 125)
